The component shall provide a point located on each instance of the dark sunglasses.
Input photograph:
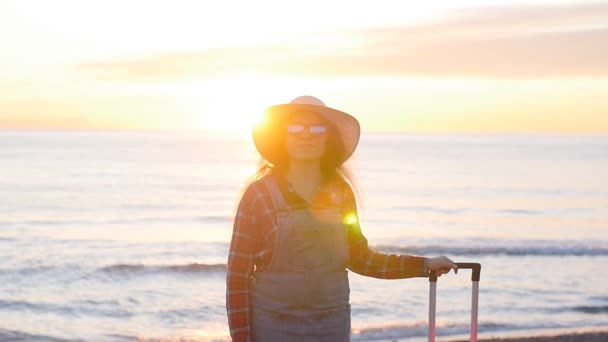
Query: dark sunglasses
(298, 129)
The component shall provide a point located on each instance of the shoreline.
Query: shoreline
(582, 334)
(588, 334)
(570, 337)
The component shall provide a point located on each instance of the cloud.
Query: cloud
(186, 64)
(559, 54)
(495, 42)
(512, 20)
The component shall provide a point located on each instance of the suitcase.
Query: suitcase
(476, 268)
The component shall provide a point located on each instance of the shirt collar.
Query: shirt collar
(290, 194)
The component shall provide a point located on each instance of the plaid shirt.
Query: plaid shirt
(254, 233)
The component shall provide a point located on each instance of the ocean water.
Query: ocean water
(117, 236)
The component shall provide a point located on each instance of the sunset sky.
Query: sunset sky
(413, 66)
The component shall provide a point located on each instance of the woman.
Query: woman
(296, 233)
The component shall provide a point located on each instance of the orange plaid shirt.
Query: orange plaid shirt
(253, 236)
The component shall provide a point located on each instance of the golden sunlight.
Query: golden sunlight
(235, 104)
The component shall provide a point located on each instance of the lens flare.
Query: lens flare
(350, 218)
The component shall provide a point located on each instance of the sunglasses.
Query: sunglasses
(298, 129)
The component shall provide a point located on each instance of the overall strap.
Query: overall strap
(275, 193)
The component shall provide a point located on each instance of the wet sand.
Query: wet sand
(570, 337)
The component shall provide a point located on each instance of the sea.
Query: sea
(124, 235)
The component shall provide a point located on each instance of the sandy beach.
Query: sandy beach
(597, 336)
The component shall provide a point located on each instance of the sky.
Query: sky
(407, 66)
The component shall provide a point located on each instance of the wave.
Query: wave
(118, 269)
(111, 308)
(591, 309)
(14, 335)
(141, 268)
(544, 250)
(600, 298)
(68, 309)
(420, 329)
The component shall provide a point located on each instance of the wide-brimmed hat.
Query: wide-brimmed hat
(267, 134)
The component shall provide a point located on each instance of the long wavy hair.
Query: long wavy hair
(331, 169)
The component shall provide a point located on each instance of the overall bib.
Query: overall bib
(304, 293)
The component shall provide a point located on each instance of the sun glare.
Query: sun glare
(230, 117)
(236, 104)
(350, 218)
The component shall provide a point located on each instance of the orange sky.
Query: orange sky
(395, 65)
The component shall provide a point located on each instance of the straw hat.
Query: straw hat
(266, 135)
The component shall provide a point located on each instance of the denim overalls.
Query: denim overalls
(303, 295)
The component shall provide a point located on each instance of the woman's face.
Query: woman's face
(306, 136)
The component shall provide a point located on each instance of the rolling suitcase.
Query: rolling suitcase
(476, 268)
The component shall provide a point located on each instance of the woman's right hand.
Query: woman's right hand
(441, 265)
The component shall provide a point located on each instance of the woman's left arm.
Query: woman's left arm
(371, 263)
(368, 262)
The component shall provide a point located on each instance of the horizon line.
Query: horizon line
(244, 133)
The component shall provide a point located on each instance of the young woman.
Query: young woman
(296, 232)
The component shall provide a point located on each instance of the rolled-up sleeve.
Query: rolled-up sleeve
(240, 266)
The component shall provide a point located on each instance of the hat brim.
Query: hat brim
(266, 135)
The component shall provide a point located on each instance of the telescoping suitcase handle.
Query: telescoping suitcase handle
(474, 298)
